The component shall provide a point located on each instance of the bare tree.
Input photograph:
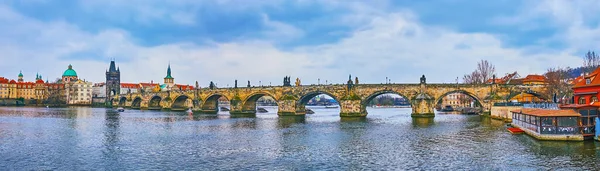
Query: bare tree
(485, 71)
(556, 78)
(590, 61)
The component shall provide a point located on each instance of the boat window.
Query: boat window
(584, 121)
(534, 120)
(593, 112)
(567, 121)
(547, 121)
(594, 99)
(583, 112)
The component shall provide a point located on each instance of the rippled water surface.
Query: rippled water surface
(101, 139)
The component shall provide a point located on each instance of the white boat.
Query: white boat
(120, 109)
(332, 106)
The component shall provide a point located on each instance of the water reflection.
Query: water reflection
(242, 116)
(387, 139)
(111, 135)
(353, 119)
(288, 121)
(422, 122)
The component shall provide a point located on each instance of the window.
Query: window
(594, 99)
(588, 81)
(581, 100)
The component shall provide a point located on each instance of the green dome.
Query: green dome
(70, 72)
(20, 74)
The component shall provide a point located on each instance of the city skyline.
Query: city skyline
(266, 41)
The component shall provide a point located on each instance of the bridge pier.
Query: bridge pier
(290, 108)
(352, 108)
(422, 106)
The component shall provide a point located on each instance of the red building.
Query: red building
(586, 90)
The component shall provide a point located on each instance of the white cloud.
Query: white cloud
(382, 44)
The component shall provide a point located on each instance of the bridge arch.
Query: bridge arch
(211, 103)
(476, 99)
(154, 103)
(372, 96)
(182, 102)
(249, 104)
(136, 103)
(306, 97)
(122, 101)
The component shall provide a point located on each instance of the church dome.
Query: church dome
(70, 72)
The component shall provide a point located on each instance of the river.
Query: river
(388, 139)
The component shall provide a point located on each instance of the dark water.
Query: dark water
(389, 139)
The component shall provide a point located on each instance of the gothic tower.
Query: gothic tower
(113, 81)
(169, 80)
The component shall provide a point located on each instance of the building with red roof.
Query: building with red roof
(534, 80)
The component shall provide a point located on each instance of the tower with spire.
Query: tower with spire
(113, 80)
(169, 80)
(20, 76)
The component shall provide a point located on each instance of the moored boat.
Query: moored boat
(447, 108)
(261, 110)
(549, 124)
(513, 130)
(224, 109)
(309, 111)
(120, 109)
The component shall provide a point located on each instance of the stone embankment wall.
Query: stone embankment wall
(503, 112)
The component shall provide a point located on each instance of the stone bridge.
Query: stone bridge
(353, 98)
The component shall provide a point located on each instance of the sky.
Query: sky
(225, 40)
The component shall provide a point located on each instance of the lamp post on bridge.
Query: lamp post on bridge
(318, 81)
(386, 80)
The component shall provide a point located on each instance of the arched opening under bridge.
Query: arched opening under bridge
(260, 103)
(136, 103)
(182, 103)
(122, 101)
(386, 102)
(154, 103)
(458, 102)
(216, 103)
(319, 102)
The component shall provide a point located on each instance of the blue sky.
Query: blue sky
(224, 40)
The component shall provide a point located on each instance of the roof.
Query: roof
(547, 112)
(580, 81)
(184, 87)
(169, 73)
(534, 78)
(4, 80)
(20, 74)
(70, 72)
(39, 82)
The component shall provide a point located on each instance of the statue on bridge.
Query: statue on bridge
(211, 86)
(286, 81)
(423, 79)
(355, 80)
(235, 85)
(350, 83)
(298, 83)
(197, 85)
(248, 83)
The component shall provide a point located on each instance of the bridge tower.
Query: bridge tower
(113, 82)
